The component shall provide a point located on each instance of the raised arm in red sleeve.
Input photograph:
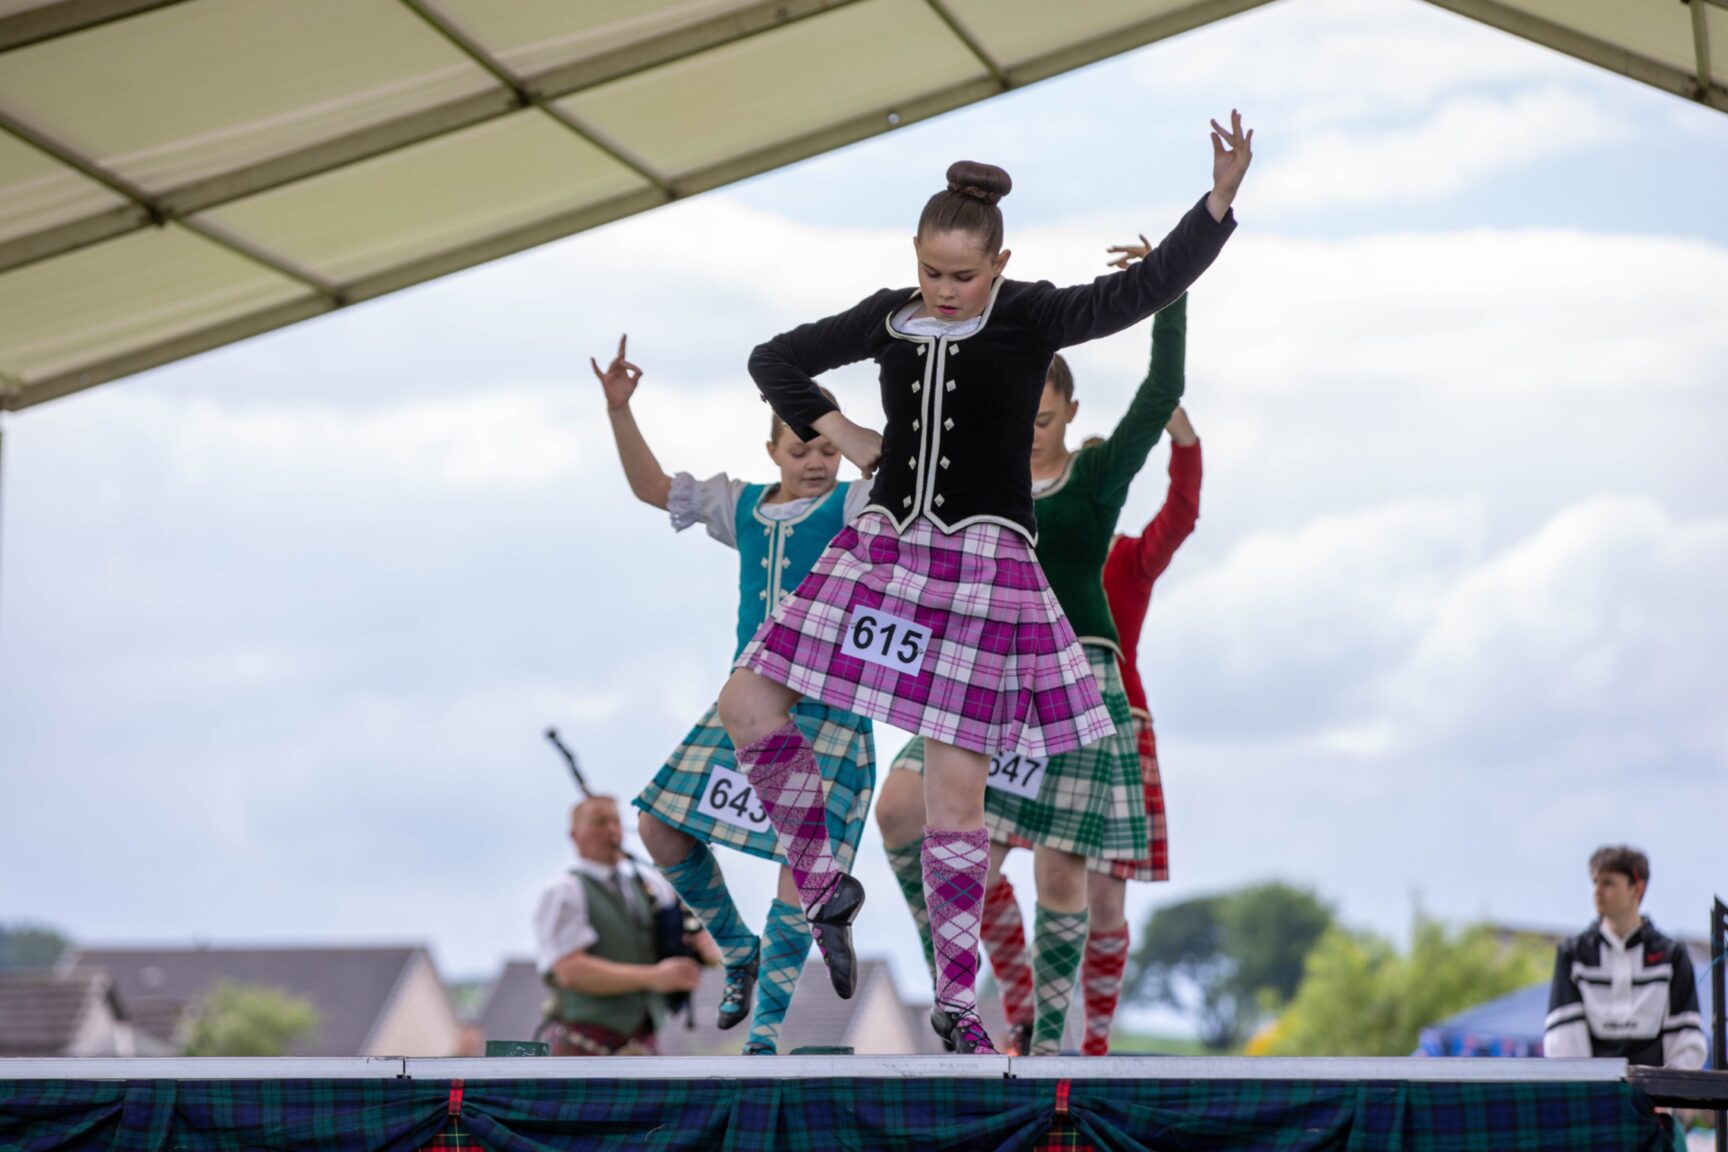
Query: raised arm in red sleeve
(1176, 519)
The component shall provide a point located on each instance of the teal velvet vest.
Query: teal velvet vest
(774, 556)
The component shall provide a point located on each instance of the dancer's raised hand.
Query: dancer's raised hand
(1232, 152)
(619, 379)
(1128, 253)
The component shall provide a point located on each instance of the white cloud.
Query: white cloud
(1455, 147)
(1351, 59)
(1599, 634)
(1585, 649)
(1376, 104)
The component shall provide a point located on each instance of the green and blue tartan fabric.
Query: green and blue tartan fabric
(847, 1114)
(199, 1115)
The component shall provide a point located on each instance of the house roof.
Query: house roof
(42, 1010)
(176, 175)
(817, 1015)
(352, 988)
(514, 1003)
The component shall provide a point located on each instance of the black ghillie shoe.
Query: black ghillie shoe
(831, 927)
(757, 1049)
(739, 994)
(962, 1032)
(1019, 1040)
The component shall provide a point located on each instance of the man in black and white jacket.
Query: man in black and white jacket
(1621, 988)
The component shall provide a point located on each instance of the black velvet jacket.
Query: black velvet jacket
(957, 446)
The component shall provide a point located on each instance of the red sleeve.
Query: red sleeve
(1176, 519)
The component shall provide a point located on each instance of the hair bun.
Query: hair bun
(984, 182)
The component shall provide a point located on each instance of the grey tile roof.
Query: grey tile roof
(351, 987)
(513, 1006)
(817, 1015)
(41, 1010)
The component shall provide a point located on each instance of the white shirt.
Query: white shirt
(934, 325)
(561, 923)
(714, 502)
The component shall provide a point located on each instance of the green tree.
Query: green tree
(30, 946)
(237, 1019)
(1359, 997)
(1230, 960)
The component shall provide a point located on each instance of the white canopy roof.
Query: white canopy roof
(179, 174)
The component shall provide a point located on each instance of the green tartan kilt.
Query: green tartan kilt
(1091, 801)
(845, 750)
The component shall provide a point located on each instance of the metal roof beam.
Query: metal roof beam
(1701, 45)
(1581, 46)
(166, 351)
(964, 35)
(554, 84)
(143, 203)
(34, 246)
(646, 55)
(503, 244)
(525, 96)
(46, 21)
(338, 296)
(1125, 39)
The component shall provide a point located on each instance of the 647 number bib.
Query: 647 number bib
(1017, 774)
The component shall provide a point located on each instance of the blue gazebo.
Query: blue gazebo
(1509, 1026)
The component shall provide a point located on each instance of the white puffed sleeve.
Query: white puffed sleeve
(713, 502)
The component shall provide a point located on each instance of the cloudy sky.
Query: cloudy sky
(280, 626)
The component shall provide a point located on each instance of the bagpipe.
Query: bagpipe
(673, 922)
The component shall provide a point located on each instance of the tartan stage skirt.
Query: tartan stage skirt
(845, 751)
(998, 665)
(1089, 795)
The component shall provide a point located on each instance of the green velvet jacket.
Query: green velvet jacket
(1077, 515)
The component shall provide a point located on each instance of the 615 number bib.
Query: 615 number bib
(877, 637)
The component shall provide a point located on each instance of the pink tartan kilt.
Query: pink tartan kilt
(1002, 668)
(1155, 865)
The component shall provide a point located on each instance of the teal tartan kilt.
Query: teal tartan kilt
(845, 750)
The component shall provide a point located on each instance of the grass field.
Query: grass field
(1128, 1042)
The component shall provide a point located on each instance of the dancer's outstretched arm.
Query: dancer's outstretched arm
(1119, 459)
(648, 481)
(1175, 521)
(1083, 312)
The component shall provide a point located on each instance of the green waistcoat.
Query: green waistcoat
(623, 941)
